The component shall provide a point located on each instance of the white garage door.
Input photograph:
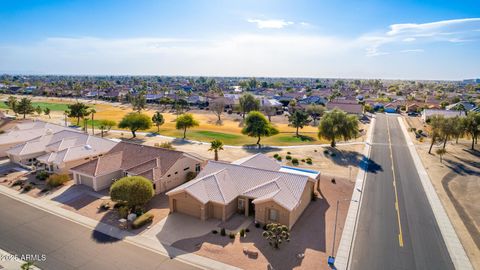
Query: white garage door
(188, 208)
(85, 180)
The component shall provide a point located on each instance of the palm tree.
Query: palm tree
(93, 112)
(66, 113)
(215, 146)
(158, 120)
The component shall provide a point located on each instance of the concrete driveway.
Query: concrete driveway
(178, 226)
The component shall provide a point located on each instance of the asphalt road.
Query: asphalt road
(67, 245)
(387, 238)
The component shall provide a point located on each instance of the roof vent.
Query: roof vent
(87, 147)
(48, 131)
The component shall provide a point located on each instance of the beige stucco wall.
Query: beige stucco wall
(104, 181)
(166, 183)
(304, 202)
(261, 213)
(5, 147)
(24, 158)
(231, 208)
(187, 201)
(214, 210)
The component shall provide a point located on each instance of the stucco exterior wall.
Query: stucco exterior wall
(304, 202)
(261, 213)
(231, 208)
(187, 205)
(5, 147)
(176, 175)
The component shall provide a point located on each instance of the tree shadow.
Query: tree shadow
(352, 158)
(253, 148)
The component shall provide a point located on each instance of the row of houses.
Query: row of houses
(255, 186)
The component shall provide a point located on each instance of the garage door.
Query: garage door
(85, 180)
(215, 211)
(186, 207)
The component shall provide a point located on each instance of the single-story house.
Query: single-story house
(256, 186)
(350, 108)
(60, 151)
(24, 132)
(412, 107)
(164, 167)
(427, 113)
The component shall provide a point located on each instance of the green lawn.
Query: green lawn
(43, 105)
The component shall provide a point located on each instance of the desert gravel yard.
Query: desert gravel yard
(311, 236)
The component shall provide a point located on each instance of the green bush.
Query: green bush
(142, 220)
(27, 187)
(42, 175)
(18, 183)
(303, 160)
(295, 161)
(276, 156)
(242, 233)
(288, 153)
(232, 236)
(56, 180)
(135, 191)
(123, 211)
(288, 157)
(279, 158)
(222, 232)
(309, 161)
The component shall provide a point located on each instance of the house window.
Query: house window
(176, 172)
(197, 167)
(169, 175)
(186, 169)
(273, 215)
(241, 204)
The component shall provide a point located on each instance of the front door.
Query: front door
(251, 207)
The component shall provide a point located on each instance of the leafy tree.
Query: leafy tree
(215, 146)
(338, 124)
(12, 103)
(38, 110)
(270, 111)
(248, 103)
(180, 106)
(158, 120)
(440, 152)
(135, 191)
(106, 125)
(135, 121)
(298, 119)
(436, 124)
(138, 102)
(25, 107)
(186, 121)
(78, 110)
(315, 112)
(47, 111)
(256, 125)
(472, 126)
(217, 106)
(276, 234)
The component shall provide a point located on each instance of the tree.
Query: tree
(138, 102)
(440, 152)
(186, 121)
(25, 107)
(38, 110)
(217, 106)
(215, 146)
(315, 111)
(135, 191)
(78, 110)
(436, 123)
(93, 112)
(12, 103)
(276, 234)
(106, 125)
(338, 124)
(135, 121)
(472, 126)
(298, 119)
(270, 111)
(248, 103)
(46, 111)
(256, 125)
(158, 120)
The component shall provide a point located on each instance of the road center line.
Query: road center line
(397, 207)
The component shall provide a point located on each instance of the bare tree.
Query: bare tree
(217, 106)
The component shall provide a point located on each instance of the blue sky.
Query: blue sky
(349, 39)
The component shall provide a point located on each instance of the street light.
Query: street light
(331, 259)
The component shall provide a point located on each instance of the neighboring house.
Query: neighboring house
(461, 106)
(60, 151)
(427, 113)
(313, 100)
(350, 108)
(412, 107)
(165, 168)
(26, 131)
(256, 185)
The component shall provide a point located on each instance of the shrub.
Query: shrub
(279, 158)
(257, 225)
(214, 231)
(288, 157)
(123, 211)
(326, 152)
(276, 155)
(190, 176)
(44, 190)
(303, 160)
(166, 145)
(56, 180)
(420, 131)
(119, 204)
(18, 183)
(135, 191)
(315, 150)
(247, 230)
(232, 236)
(242, 233)
(289, 153)
(222, 232)
(27, 187)
(142, 220)
(309, 161)
(42, 175)
(295, 161)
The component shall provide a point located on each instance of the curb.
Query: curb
(345, 247)
(137, 240)
(455, 249)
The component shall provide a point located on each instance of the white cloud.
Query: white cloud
(409, 39)
(272, 24)
(412, 51)
(403, 28)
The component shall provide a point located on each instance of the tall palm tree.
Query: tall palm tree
(66, 113)
(93, 112)
(215, 146)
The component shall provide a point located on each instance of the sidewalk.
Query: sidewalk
(346, 242)
(455, 248)
(150, 243)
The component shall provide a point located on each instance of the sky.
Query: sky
(262, 38)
